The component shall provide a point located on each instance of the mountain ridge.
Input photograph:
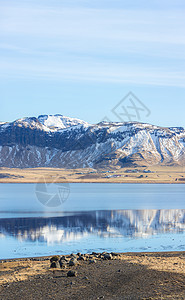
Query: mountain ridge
(60, 141)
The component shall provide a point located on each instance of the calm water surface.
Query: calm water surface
(90, 217)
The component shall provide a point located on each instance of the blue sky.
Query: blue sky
(80, 58)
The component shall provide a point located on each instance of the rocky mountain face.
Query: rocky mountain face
(59, 141)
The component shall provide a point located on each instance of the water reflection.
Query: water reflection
(137, 224)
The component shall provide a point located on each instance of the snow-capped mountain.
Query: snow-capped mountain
(59, 141)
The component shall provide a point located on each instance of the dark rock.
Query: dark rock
(114, 254)
(107, 256)
(74, 255)
(53, 265)
(71, 273)
(54, 258)
(73, 262)
(81, 258)
(63, 258)
(63, 264)
(92, 261)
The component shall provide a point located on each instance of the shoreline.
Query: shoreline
(97, 181)
(139, 175)
(138, 275)
(139, 253)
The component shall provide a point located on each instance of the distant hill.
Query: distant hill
(59, 141)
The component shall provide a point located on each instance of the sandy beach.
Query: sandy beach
(97, 276)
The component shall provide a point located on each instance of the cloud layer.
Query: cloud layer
(93, 43)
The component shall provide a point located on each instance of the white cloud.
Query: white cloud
(111, 25)
(90, 71)
(136, 46)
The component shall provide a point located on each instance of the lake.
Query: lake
(46, 219)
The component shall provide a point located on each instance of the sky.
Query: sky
(82, 58)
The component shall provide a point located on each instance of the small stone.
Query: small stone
(63, 264)
(71, 273)
(107, 256)
(63, 258)
(73, 255)
(92, 261)
(53, 265)
(114, 254)
(54, 258)
(73, 262)
(81, 258)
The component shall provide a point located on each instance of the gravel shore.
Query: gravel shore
(95, 276)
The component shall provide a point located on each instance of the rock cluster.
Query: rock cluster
(67, 261)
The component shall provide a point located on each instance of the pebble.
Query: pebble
(71, 273)
(114, 254)
(54, 265)
(92, 261)
(107, 256)
(63, 258)
(73, 262)
(74, 255)
(81, 258)
(63, 264)
(54, 259)
(95, 253)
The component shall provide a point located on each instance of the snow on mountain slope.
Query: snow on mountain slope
(59, 121)
(46, 122)
(59, 141)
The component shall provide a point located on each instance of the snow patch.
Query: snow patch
(55, 122)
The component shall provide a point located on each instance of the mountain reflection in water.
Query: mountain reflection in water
(103, 224)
